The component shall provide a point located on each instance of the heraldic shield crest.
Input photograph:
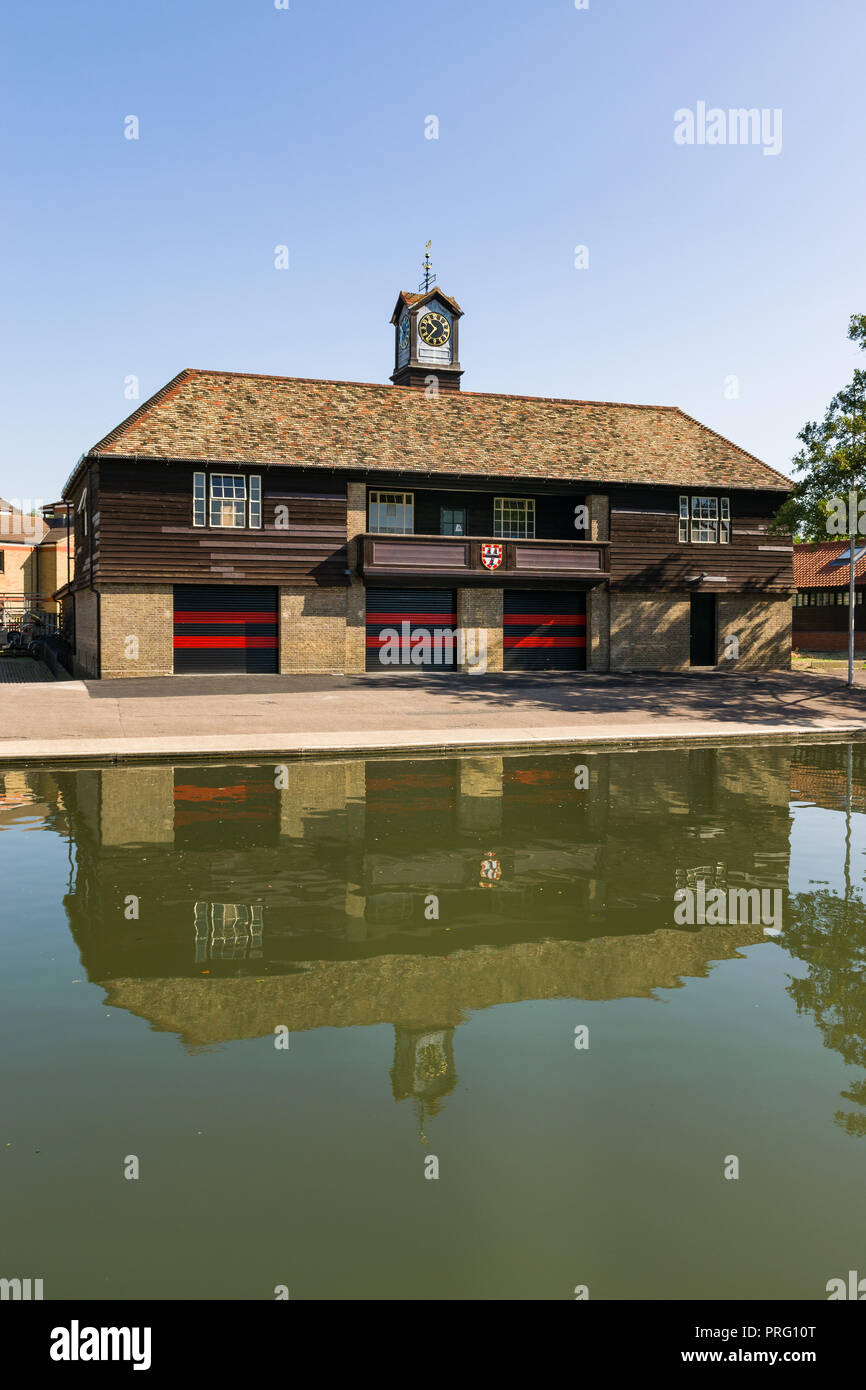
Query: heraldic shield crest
(491, 556)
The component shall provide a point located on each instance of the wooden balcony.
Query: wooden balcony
(457, 560)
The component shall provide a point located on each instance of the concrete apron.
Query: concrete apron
(72, 752)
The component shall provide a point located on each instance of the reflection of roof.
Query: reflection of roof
(294, 422)
(827, 787)
(407, 989)
(818, 567)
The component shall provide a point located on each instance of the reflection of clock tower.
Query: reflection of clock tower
(425, 336)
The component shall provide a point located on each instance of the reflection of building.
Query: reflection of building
(353, 896)
(818, 774)
(424, 1066)
(30, 797)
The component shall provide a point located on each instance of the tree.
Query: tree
(832, 459)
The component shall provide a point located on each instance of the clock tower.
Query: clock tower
(425, 336)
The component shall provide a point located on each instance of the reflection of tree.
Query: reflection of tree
(829, 934)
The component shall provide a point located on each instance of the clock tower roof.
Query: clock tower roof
(409, 300)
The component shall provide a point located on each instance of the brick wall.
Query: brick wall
(481, 610)
(598, 628)
(313, 629)
(356, 605)
(137, 630)
(762, 628)
(599, 516)
(649, 632)
(652, 632)
(828, 641)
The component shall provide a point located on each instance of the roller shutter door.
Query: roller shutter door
(224, 627)
(544, 631)
(407, 629)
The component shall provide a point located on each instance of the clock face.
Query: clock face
(404, 332)
(434, 329)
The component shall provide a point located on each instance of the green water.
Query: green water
(427, 936)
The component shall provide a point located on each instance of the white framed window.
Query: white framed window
(199, 517)
(684, 517)
(392, 512)
(514, 518)
(255, 510)
(724, 520)
(230, 505)
(82, 511)
(703, 520)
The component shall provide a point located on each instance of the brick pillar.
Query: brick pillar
(356, 600)
(599, 516)
(479, 614)
(598, 628)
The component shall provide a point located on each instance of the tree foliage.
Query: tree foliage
(833, 457)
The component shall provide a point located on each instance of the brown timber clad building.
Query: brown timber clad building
(268, 524)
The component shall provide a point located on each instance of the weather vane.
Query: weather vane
(429, 277)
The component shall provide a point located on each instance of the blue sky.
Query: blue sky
(305, 127)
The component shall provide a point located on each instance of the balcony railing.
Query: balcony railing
(386, 556)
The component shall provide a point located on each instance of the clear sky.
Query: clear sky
(305, 127)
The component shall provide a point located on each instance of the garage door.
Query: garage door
(408, 629)
(224, 627)
(544, 631)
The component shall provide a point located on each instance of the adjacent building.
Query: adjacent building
(822, 574)
(34, 559)
(252, 524)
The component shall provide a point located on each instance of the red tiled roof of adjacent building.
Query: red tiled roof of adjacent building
(230, 417)
(814, 567)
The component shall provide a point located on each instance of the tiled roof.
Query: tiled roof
(411, 297)
(229, 417)
(814, 568)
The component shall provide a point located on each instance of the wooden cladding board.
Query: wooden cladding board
(405, 554)
(147, 535)
(549, 557)
(645, 552)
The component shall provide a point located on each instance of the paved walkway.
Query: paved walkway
(296, 716)
(22, 670)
